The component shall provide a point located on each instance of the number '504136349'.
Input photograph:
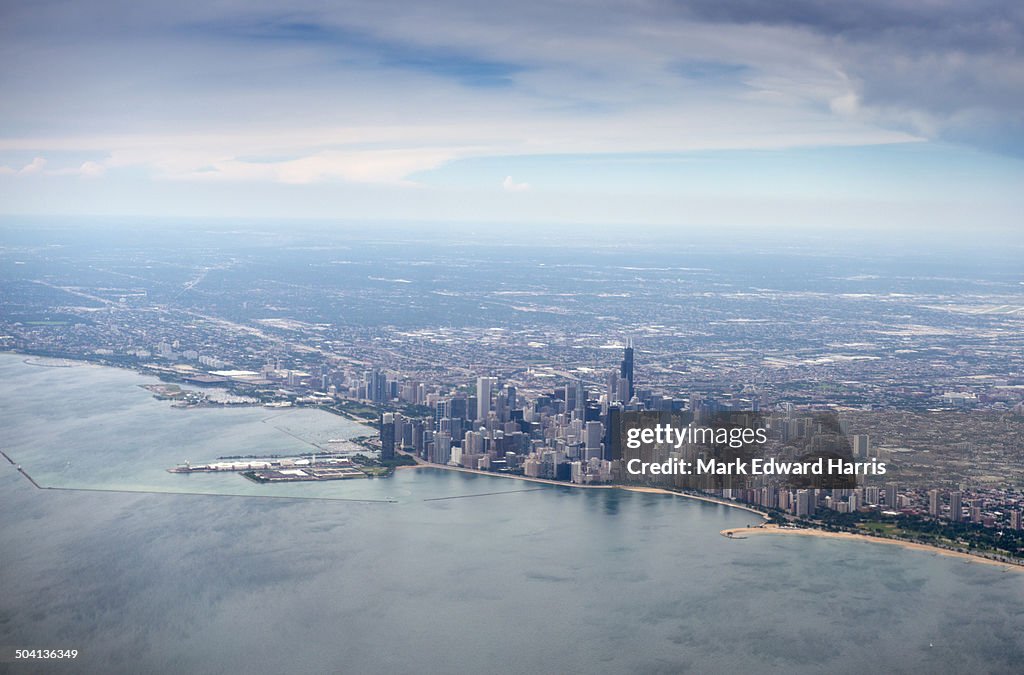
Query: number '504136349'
(45, 653)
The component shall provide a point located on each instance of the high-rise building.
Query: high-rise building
(377, 389)
(387, 436)
(459, 407)
(891, 492)
(592, 437)
(872, 495)
(613, 434)
(861, 445)
(933, 503)
(417, 437)
(442, 448)
(569, 396)
(1015, 520)
(783, 500)
(955, 505)
(802, 503)
(612, 386)
(501, 407)
(442, 410)
(622, 394)
(484, 387)
(626, 368)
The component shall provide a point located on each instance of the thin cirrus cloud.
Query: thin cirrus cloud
(365, 49)
(386, 93)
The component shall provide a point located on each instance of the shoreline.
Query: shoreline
(744, 532)
(729, 533)
(603, 486)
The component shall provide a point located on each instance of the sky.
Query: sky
(703, 113)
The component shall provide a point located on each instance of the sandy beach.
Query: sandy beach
(744, 532)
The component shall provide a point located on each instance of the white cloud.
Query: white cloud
(35, 166)
(87, 169)
(609, 86)
(390, 154)
(512, 186)
(386, 166)
(91, 169)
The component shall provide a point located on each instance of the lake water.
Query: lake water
(508, 576)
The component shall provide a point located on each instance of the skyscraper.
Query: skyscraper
(569, 396)
(459, 407)
(891, 494)
(626, 369)
(593, 434)
(387, 436)
(613, 434)
(442, 409)
(612, 385)
(484, 386)
(377, 386)
(861, 445)
(802, 503)
(501, 406)
(955, 505)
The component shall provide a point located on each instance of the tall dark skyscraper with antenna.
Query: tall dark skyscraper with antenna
(626, 369)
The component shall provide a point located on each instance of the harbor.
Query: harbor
(316, 467)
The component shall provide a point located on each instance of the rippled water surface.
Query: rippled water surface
(507, 576)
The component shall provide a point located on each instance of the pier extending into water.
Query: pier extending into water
(36, 485)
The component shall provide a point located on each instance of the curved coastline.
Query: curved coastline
(744, 532)
(28, 357)
(729, 533)
(547, 481)
(702, 498)
(51, 362)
